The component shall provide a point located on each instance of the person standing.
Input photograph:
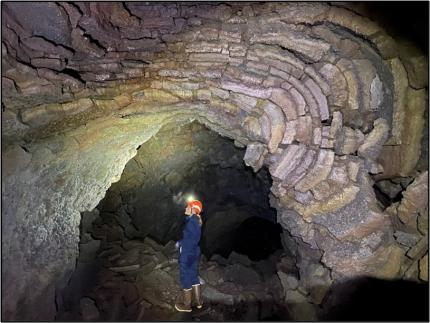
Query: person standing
(189, 258)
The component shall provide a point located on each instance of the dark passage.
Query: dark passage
(127, 268)
(257, 238)
(370, 299)
(389, 191)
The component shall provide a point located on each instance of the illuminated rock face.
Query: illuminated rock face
(313, 91)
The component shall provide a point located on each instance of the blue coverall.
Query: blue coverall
(189, 256)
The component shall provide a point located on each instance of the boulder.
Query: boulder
(254, 155)
(317, 281)
(303, 311)
(236, 258)
(130, 257)
(294, 297)
(389, 188)
(289, 282)
(213, 275)
(130, 293)
(212, 295)
(242, 275)
(89, 310)
(219, 259)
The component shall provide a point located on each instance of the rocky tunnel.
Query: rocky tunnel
(292, 122)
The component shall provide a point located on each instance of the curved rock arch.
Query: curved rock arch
(311, 104)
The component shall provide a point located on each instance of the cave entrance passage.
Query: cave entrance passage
(257, 238)
(127, 241)
(238, 230)
(185, 159)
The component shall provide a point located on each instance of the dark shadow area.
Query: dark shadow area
(241, 312)
(404, 19)
(127, 267)
(371, 299)
(384, 198)
(257, 238)
(401, 19)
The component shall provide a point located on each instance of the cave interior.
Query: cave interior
(301, 126)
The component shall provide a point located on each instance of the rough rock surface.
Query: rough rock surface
(139, 280)
(318, 86)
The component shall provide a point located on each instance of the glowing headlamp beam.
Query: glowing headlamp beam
(190, 198)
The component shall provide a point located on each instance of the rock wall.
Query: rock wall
(182, 160)
(312, 90)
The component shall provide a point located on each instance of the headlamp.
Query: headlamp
(190, 198)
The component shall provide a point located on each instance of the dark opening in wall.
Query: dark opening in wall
(255, 237)
(127, 243)
(389, 191)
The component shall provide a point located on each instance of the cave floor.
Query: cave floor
(139, 281)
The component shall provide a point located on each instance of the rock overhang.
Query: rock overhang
(313, 103)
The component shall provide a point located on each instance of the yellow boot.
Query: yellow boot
(183, 304)
(197, 293)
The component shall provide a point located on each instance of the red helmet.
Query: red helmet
(196, 205)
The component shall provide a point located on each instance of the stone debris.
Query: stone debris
(308, 88)
(288, 282)
(234, 258)
(89, 310)
(124, 268)
(151, 294)
(389, 188)
(215, 296)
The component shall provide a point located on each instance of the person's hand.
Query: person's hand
(177, 245)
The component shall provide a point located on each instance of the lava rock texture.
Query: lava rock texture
(320, 95)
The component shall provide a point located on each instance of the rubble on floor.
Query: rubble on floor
(139, 280)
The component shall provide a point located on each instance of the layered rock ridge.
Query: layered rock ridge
(314, 91)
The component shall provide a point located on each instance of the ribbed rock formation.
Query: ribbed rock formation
(313, 91)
